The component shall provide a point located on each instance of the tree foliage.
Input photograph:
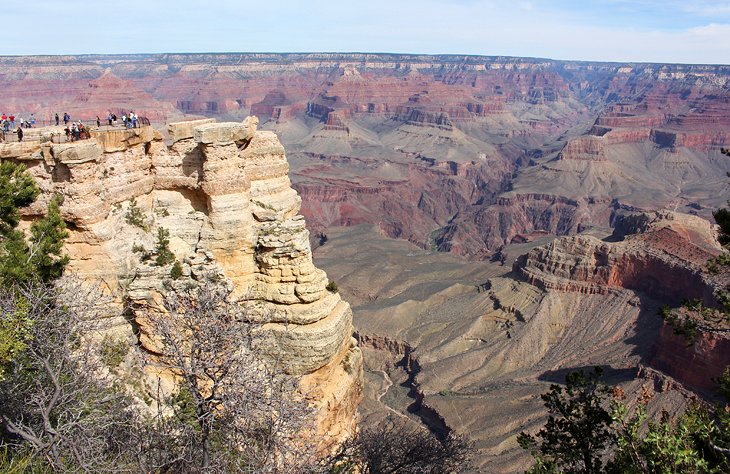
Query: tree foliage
(22, 260)
(232, 412)
(46, 243)
(164, 254)
(37, 256)
(15, 329)
(17, 189)
(625, 440)
(63, 411)
(58, 411)
(577, 433)
(397, 446)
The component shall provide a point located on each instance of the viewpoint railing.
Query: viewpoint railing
(58, 133)
(86, 120)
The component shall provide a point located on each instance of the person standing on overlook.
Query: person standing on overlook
(56, 119)
(20, 134)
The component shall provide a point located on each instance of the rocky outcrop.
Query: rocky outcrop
(425, 195)
(423, 118)
(697, 364)
(222, 191)
(663, 256)
(588, 148)
(666, 260)
(335, 122)
(588, 265)
(491, 226)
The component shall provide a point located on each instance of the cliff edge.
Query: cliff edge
(222, 191)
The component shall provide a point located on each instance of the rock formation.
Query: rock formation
(663, 256)
(488, 343)
(222, 191)
(665, 260)
(559, 144)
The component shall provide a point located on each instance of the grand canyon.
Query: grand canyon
(494, 222)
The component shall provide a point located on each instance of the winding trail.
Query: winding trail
(388, 383)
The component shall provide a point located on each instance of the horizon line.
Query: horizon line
(354, 53)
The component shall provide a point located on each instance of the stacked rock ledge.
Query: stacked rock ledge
(222, 191)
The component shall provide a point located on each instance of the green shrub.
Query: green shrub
(332, 287)
(164, 254)
(113, 351)
(176, 271)
(136, 217)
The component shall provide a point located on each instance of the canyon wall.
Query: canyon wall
(223, 193)
(474, 150)
(664, 256)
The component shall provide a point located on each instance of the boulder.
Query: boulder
(77, 152)
(223, 133)
(184, 130)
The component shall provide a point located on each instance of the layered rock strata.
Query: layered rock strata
(645, 135)
(223, 193)
(664, 256)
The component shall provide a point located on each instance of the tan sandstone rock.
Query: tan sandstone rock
(184, 130)
(222, 191)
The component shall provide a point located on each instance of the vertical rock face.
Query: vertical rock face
(698, 364)
(223, 192)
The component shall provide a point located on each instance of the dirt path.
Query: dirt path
(388, 383)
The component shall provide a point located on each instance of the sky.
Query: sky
(663, 31)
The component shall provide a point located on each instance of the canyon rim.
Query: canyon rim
(494, 221)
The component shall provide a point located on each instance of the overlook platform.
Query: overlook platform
(37, 140)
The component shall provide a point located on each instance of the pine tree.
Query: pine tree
(47, 236)
(39, 257)
(578, 431)
(23, 261)
(17, 190)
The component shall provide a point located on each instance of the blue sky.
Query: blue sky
(612, 30)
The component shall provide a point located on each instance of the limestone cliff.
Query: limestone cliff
(222, 191)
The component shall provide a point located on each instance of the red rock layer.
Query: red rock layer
(398, 107)
(696, 364)
(665, 262)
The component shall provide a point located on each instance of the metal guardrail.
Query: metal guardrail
(59, 135)
(86, 120)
